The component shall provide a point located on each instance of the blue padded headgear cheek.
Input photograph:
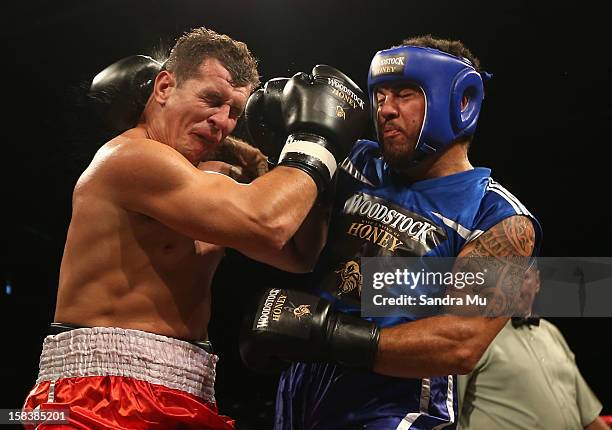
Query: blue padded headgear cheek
(467, 83)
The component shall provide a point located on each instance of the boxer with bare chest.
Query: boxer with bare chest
(149, 226)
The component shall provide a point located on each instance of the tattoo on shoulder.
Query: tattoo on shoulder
(503, 254)
(514, 236)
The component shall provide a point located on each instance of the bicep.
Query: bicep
(499, 257)
(300, 254)
(511, 237)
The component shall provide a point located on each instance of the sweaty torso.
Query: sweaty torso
(124, 269)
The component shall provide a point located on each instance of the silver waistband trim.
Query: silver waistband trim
(111, 351)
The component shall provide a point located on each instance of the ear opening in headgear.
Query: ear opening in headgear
(468, 83)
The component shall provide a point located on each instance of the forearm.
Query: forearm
(310, 238)
(300, 253)
(435, 346)
(449, 344)
(273, 212)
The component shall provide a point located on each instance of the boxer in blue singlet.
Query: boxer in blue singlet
(413, 193)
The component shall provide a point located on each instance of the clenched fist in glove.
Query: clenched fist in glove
(316, 118)
(290, 325)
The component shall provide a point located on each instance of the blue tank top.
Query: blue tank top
(377, 214)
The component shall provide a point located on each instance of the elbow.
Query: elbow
(469, 350)
(279, 237)
(466, 360)
(271, 232)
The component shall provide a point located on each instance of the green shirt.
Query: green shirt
(527, 379)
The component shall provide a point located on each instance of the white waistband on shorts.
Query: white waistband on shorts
(112, 351)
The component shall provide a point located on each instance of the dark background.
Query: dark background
(544, 129)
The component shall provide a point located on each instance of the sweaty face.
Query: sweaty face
(400, 115)
(203, 110)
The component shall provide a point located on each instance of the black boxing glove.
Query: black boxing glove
(122, 89)
(264, 119)
(324, 114)
(290, 325)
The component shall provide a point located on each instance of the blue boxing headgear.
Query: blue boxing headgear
(444, 79)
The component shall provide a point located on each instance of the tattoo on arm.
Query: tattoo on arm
(502, 254)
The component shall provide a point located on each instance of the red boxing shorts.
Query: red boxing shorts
(114, 378)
